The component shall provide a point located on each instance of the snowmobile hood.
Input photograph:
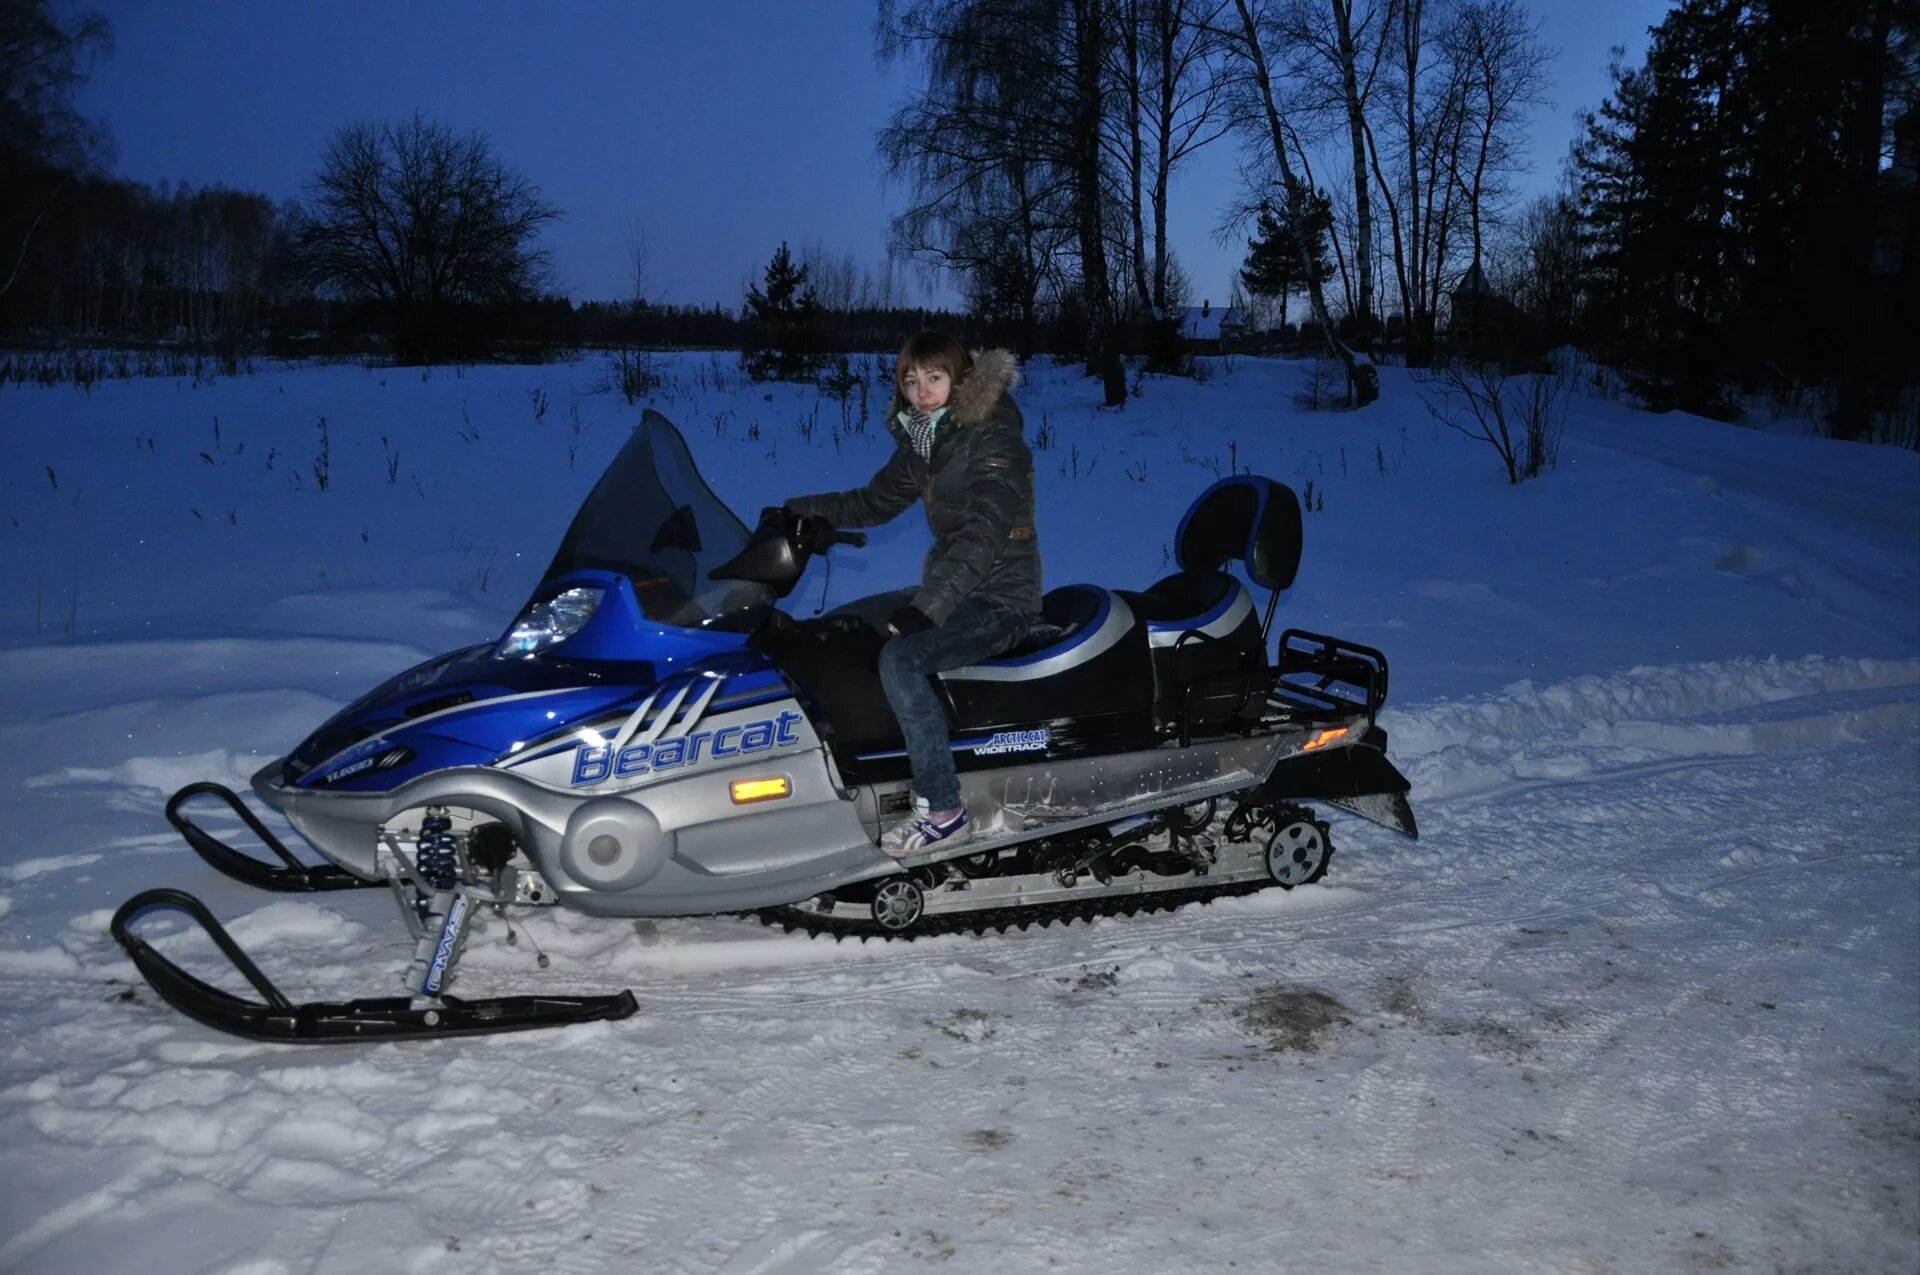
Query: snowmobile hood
(624, 609)
(473, 708)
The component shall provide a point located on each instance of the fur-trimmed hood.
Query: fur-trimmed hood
(994, 373)
(977, 483)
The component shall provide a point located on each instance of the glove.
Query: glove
(908, 620)
(813, 533)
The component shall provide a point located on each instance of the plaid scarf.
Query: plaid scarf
(920, 427)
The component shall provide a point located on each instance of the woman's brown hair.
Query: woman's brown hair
(932, 350)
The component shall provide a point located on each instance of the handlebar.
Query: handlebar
(777, 551)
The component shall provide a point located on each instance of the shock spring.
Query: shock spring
(437, 851)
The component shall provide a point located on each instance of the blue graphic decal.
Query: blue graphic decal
(349, 770)
(449, 937)
(592, 764)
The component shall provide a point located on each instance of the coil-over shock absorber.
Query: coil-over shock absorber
(437, 853)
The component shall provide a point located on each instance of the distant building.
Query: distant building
(1203, 327)
(1483, 323)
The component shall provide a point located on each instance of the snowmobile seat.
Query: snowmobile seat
(1086, 658)
(1087, 655)
(1200, 622)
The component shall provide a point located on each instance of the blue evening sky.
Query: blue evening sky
(721, 127)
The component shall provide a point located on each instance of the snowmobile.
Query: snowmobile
(654, 737)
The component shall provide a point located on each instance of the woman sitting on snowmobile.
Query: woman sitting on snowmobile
(959, 444)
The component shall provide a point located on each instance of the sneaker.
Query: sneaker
(925, 828)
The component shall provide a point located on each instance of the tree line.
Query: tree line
(1381, 137)
(1733, 216)
(412, 237)
(1743, 212)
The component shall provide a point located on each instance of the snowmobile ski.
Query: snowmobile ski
(275, 1018)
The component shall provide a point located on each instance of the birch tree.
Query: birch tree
(1414, 170)
(1495, 47)
(1092, 33)
(1246, 38)
(977, 145)
(1010, 129)
(1336, 50)
(44, 140)
(1177, 101)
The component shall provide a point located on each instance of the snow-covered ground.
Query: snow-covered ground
(1644, 997)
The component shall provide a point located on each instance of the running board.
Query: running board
(1006, 838)
(290, 876)
(333, 1022)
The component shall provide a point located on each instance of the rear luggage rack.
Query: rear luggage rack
(1318, 677)
(1330, 675)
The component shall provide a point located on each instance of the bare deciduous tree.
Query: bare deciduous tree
(1425, 131)
(848, 292)
(1092, 32)
(1248, 45)
(43, 60)
(1005, 145)
(422, 219)
(1172, 76)
(1538, 264)
(1520, 417)
(1336, 50)
(44, 140)
(1495, 47)
(977, 143)
(639, 264)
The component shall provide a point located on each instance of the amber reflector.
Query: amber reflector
(745, 790)
(1321, 740)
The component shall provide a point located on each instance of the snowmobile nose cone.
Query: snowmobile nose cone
(614, 844)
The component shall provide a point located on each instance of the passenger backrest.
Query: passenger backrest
(1247, 518)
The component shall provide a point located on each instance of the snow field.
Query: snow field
(1643, 996)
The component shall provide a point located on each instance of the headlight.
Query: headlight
(551, 622)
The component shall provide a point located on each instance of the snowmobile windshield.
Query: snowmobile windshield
(652, 518)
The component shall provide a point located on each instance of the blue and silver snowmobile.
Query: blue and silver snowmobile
(652, 737)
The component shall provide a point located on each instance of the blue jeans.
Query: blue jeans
(977, 630)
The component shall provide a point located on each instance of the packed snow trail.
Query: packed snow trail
(1585, 1023)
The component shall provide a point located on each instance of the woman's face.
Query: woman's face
(926, 388)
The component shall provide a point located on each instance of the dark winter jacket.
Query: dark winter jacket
(978, 486)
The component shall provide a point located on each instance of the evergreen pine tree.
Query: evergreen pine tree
(781, 317)
(1728, 192)
(1274, 266)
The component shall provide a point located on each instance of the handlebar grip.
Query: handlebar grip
(858, 539)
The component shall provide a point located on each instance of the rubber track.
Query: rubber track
(1002, 919)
